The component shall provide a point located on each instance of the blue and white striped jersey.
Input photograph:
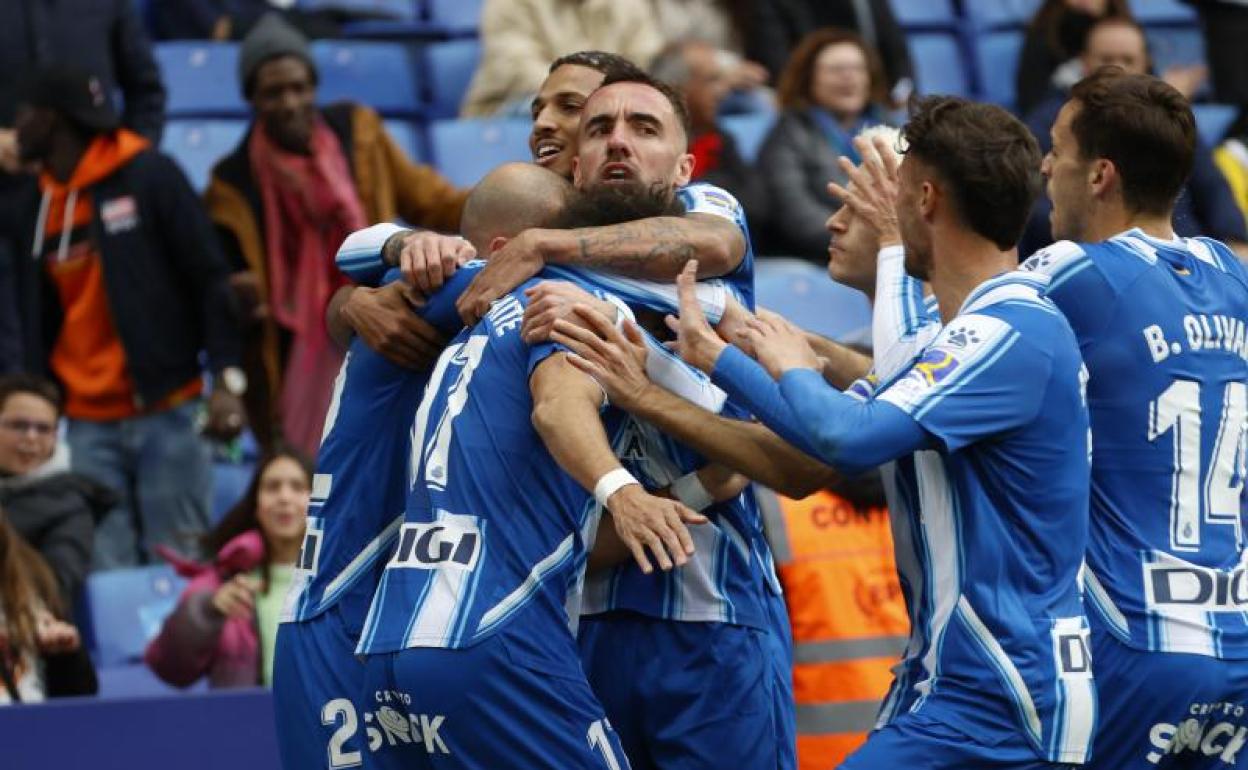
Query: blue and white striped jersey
(1163, 327)
(995, 402)
(703, 198)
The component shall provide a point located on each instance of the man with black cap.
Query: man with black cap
(301, 181)
(121, 288)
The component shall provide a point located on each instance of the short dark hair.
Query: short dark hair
(986, 156)
(12, 384)
(604, 62)
(674, 97)
(1144, 127)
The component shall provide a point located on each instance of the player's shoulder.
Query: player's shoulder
(1218, 255)
(1058, 260)
(705, 198)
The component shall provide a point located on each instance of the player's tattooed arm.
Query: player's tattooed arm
(565, 414)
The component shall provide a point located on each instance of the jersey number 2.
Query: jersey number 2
(1216, 489)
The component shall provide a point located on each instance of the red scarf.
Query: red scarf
(310, 206)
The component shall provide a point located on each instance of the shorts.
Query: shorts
(684, 695)
(1167, 709)
(784, 711)
(915, 741)
(316, 684)
(497, 704)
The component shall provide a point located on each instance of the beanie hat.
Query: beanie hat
(73, 92)
(270, 38)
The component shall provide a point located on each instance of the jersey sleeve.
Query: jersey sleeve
(1077, 286)
(979, 378)
(651, 295)
(901, 323)
(703, 198)
(440, 310)
(359, 256)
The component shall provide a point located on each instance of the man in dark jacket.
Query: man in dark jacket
(51, 507)
(120, 288)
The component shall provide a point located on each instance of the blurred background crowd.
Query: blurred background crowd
(175, 176)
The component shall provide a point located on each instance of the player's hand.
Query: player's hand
(655, 524)
(871, 192)
(516, 262)
(383, 318)
(696, 342)
(550, 301)
(53, 636)
(616, 361)
(226, 415)
(427, 259)
(779, 345)
(236, 598)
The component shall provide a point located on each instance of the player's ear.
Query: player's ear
(497, 243)
(928, 194)
(1101, 175)
(684, 170)
(576, 171)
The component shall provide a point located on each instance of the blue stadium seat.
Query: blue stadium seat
(454, 17)
(804, 294)
(466, 150)
(409, 138)
(1213, 120)
(449, 67)
(924, 14)
(126, 608)
(229, 484)
(202, 79)
(402, 10)
(1175, 46)
(197, 144)
(381, 75)
(1157, 12)
(938, 63)
(999, 14)
(996, 61)
(749, 130)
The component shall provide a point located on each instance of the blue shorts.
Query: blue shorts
(683, 695)
(317, 681)
(498, 704)
(784, 710)
(1167, 709)
(915, 741)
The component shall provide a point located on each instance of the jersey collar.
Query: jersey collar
(1011, 285)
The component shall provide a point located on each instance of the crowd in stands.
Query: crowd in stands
(145, 324)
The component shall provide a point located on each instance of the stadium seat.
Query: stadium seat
(466, 150)
(1175, 47)
(924, 14)
(402, 10)
(999, 14)
(202, 79)
(198, 144)
(381, 75)
(938, 63)
(408, 136)
(449, 67)
(996, 62)
(229, 484)
(1157, 12)
(1213, 120)
(805, 295)
(454, 17)
(749, 131)
(126, 608)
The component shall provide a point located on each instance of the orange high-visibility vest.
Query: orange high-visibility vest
(848, 617)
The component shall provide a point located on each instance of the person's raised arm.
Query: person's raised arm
(565, 414)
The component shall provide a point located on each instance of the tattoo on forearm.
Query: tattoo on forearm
(658, 246)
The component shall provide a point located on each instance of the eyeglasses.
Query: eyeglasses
(19, 426)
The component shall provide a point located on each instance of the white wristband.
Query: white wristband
(689, 490)
(610, 483)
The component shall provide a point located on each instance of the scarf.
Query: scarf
(310, 206)
(842, 140)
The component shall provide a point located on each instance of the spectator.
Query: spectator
(1232, 160)
(301, 180)
(1206, 206)
(232, 19)
(694, 68)
(41, 656)
(1056, 35)
(777, 27)
(718, 23)
(52, 508)
(832, 88)
(519, 39)
(225, 623)
(104, 37)
(1225, 27)
(125, 290)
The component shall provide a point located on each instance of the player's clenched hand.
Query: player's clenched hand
(383, 318)
(655, 524)
(236, 597)
(551, 300)
(779, 345)
(871, 192)
(696, 342)
(426, 258)
(516, 262)
(616, 361)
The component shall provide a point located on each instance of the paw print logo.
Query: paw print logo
(1038, 261)
(962, 336)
